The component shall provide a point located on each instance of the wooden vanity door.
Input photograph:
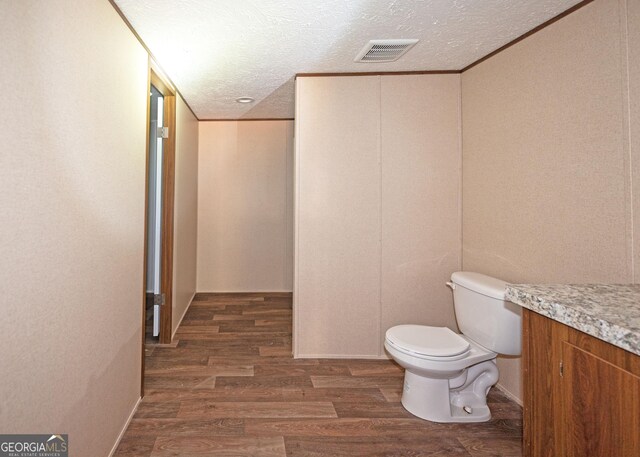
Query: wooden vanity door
(581, 395)
(600, 406)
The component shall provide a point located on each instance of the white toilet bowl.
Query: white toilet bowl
(448, 386)
(447, 375)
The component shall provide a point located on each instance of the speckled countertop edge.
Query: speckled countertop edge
(610, 312)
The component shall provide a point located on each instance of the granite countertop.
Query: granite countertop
(610, 312)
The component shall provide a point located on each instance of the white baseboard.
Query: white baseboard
(511, 396)
(184, 313)
(124, 429)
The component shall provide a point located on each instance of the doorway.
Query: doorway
(154, 294)
(159, 203)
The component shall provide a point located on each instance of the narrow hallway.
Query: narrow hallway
(229, 386)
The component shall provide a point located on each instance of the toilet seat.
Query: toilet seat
(432, 343)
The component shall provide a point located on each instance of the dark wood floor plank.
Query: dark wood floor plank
(208, 409)
(219, 348)
(203, 329)
(222, 394)
(150, 409)
(294, 394)
(186, 427)
(379, 369)
(196, 322)
(175, 363)
(259, 360)
(267, 369)
(497, 446)
(229, 352)
(349, 408)
(267, 313)
(206, 305)
(280, 317)
(264, 381)
(274, 351)
(356, 382)
(374, 447)
(273, 321)
(392, 394)
(166, 446)
(264, 336)
(135, 446)
(207, 370)
(271, 305)
(346, 427)
(264, 330)
(177, 382)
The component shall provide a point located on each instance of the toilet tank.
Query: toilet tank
(483, 315)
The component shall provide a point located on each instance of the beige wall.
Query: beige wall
(421, 166)
(337, 194)
(72, 174)
(546, 163)
(377, 209)
(185, 211)
(244, 213)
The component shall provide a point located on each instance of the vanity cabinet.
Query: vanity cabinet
(581, 394)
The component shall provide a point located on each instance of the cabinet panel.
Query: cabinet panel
(581, 394)
(540, 364)
(601, 406)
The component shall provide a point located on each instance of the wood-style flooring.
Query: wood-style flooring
(228, 386)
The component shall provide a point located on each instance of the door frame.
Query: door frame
(156, 79)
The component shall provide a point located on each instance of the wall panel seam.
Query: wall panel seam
(460, 177)
(380, 215)
(296, 222)
(286, 205)
(627, 140)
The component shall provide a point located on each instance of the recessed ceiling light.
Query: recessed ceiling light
(245, 100)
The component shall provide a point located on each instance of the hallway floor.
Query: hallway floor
(228, 386)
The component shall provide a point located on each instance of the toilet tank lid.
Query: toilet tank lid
(482, 284)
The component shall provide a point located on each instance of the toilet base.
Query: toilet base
(433, 400)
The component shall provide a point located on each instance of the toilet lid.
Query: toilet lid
(425, 340)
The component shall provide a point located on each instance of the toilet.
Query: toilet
(448, 375)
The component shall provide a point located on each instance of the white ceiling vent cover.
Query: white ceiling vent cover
(384, 50)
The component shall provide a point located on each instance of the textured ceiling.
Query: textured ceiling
(218, 50)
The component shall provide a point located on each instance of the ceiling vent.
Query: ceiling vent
(384, 50)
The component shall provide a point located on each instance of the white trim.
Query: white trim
(124, 429)
(511, 396)
(184, 313)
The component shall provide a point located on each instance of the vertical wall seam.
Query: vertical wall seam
(380, 329)
(286, 206)
(195, 286)
(295, 165)
(460, 176)
(627, 135)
